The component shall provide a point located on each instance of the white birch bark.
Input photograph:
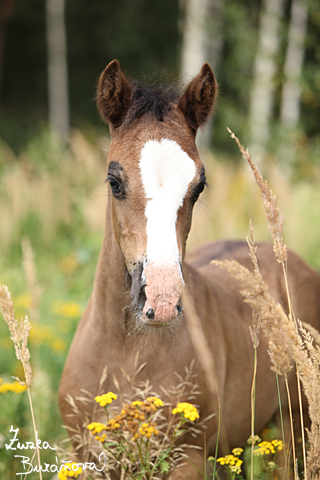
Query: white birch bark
(290, 101)
(201, 42)
(261, 101)
(57, 69)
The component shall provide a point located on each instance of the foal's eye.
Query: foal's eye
(198, 190)
(115, 185)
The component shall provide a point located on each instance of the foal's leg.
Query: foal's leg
(188, 470)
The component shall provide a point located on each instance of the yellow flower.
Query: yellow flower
(15, 387)
(112, 424)
(189, 411)
(69, 470)
(96, 427)
(237, 451)
(232, 462)
(264, 448)
(137, 403)
(106, 398)
(278, 444)
(24, 301)
(67, 309)
(156, 401)
(59, 345)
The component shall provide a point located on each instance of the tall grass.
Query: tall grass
(284, 332)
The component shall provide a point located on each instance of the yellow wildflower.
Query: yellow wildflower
(24, 301)
(156, 401)
(232, 462)
(96, 427)
(69, 470)
(237, 451)
(278, 444)
(67, 309)
(189, 411)
(106, 398)
(112, 424)
(137, 403)
(59, 345)
(15, 387)
(135, 437)
(264, 448)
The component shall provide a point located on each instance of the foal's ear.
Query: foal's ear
(113, 94)
(197, 101)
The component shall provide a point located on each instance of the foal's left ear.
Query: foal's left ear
(197, 101)
(113, 95)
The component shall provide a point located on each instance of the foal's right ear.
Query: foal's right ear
(197, 101)
(113, 95)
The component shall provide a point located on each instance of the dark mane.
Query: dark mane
(156, 101)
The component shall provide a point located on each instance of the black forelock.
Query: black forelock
(156, 101)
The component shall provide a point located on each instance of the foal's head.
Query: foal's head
(155, 176)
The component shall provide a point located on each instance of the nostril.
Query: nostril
(179, 309)
(150, 314)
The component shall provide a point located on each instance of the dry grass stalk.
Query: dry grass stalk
(254, 332)
(19, 335)
(281, 330)
(19, 332)
(275, 220)
(313, 331)
(256, 293)
(269, 203)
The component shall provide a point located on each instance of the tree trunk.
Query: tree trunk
(263, 82)
(290, 102)
(202, 42)
(57, 69)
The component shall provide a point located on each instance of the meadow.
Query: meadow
(52, 203)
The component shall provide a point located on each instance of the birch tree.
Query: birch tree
(290, 101)
(57, 69)
(262, 92)
(201, 42)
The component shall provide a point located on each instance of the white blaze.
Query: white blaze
(166, 172)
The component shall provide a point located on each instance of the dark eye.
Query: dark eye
(115, 185)
(197, 191)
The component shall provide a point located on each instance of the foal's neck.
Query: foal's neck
(111, 293)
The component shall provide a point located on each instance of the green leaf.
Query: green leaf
(110, 444)
(164, 467)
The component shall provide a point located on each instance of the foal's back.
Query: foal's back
(304, 289)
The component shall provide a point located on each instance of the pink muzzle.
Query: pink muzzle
(163, 291)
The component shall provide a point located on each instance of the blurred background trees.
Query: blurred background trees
(265, 55)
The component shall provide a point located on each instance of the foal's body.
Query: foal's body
(104, 336)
